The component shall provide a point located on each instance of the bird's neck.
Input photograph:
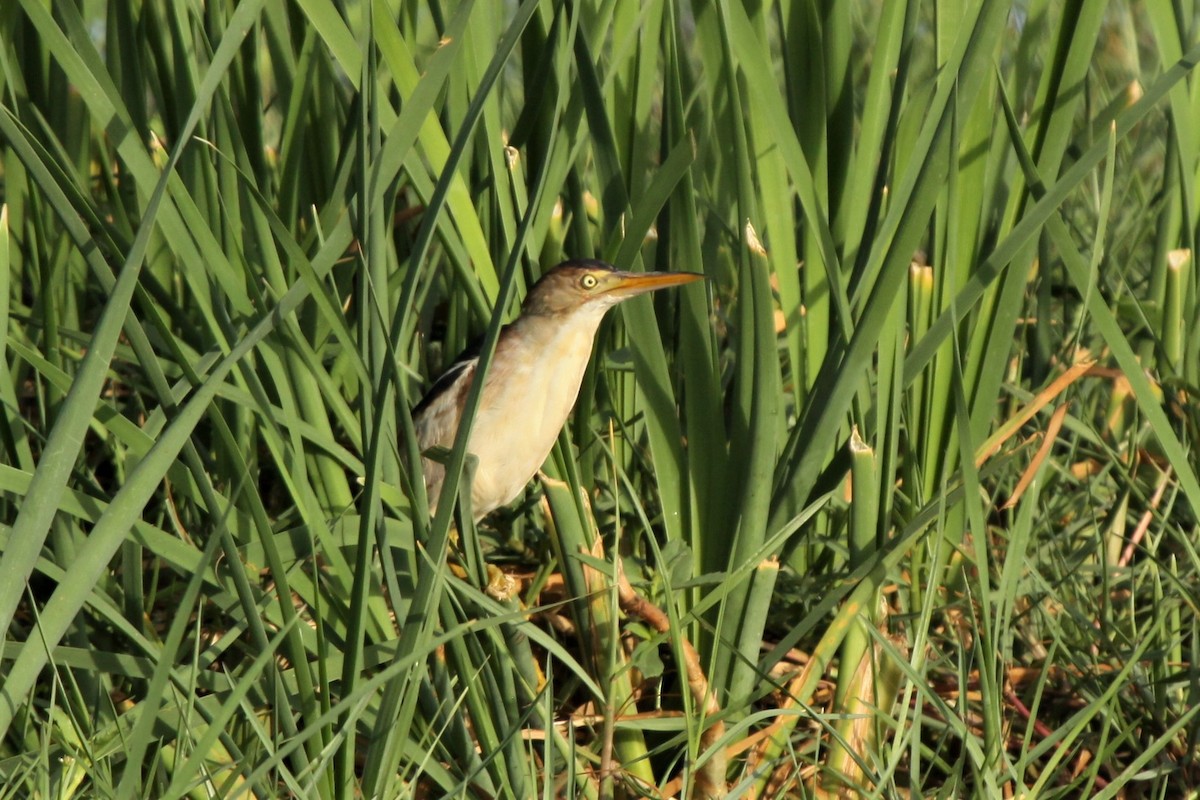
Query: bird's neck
(545, 331)
(563, 342)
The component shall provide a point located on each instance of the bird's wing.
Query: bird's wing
(449, 383)
(437, 415)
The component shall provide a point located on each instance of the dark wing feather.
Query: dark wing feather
(436, 419)
(458, 369)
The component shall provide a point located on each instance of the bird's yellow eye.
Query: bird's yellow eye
(588, 281)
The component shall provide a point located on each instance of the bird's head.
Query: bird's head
(587, 283)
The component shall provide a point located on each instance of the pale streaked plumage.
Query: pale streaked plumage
(532, 382)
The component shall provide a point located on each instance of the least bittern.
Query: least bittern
(532, 382)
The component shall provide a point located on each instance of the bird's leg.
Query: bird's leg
(465, 547)
(466, 544)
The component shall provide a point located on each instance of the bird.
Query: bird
(532, 382)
